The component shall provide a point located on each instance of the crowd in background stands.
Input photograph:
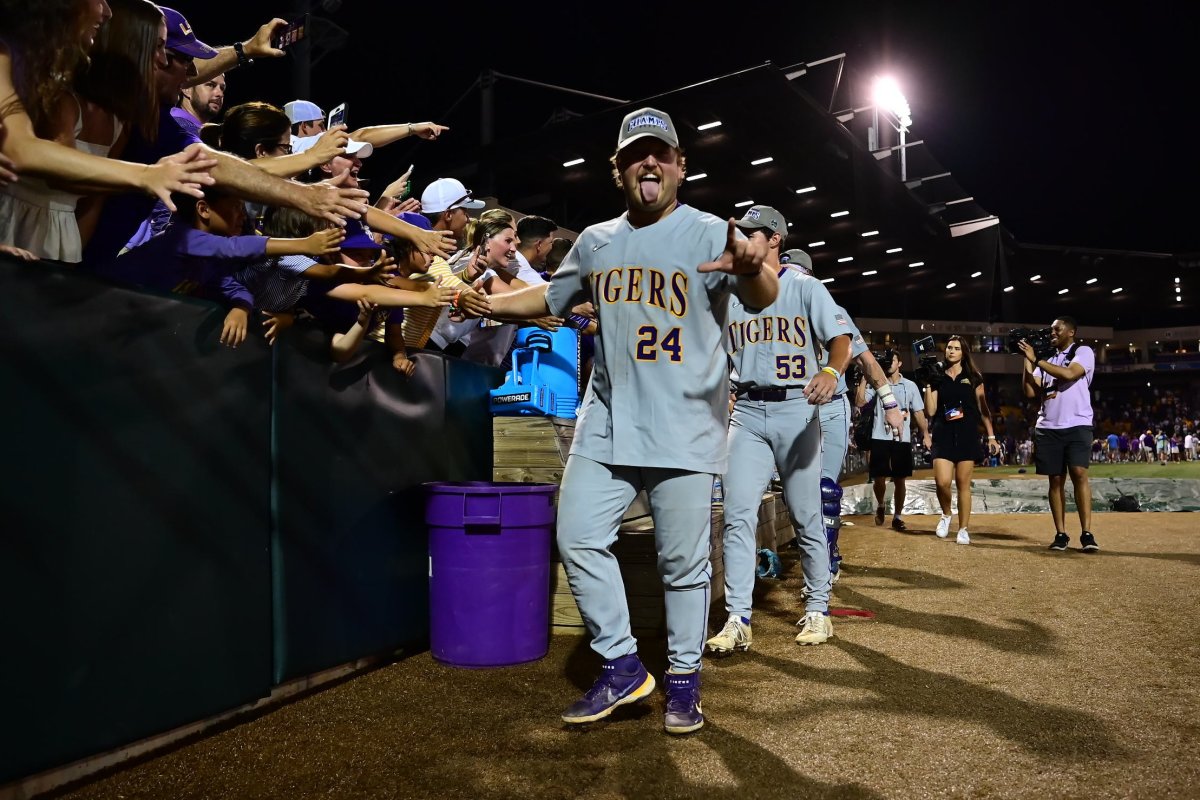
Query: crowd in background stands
(117, 155)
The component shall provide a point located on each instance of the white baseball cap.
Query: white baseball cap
(353, 148)
(303, 111)
(445, 194)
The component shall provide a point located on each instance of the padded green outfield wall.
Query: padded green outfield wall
(182, 525)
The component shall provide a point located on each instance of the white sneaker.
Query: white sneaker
(963, 536)
(943, 528)
(815, 628)
(735, 635)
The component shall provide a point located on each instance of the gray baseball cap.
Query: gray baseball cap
(798, 259)
(763, 217)
(647, 122)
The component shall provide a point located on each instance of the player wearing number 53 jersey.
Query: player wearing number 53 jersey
(779, 386)
(654, 416)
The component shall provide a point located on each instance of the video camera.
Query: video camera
(884, 357)
(854, 374)
(929, 366)
(1038, 338)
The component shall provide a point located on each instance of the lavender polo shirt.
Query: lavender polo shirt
(1067, 404)
(188, 261)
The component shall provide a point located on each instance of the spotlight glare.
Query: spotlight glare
(916, 264)
(976, 274)
(573, 162)
(865, 234)
(844, 259)
(828, 280)
(894, 250)
(707, 125)
(840, 214)
(1090, 281)
(758, 161)
(815, 244)
(951, 285)
(1063, 291)
(697, 176)
(806, 190)
(743, 204)
(871, 272)
(1008, 288)
(1118, 289)
(1035, 277)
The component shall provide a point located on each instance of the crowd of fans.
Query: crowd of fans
(118, 155)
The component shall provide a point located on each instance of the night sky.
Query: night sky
(1074, 126)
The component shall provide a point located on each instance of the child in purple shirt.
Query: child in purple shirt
(198, 253)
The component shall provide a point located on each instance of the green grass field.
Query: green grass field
(1184, 469)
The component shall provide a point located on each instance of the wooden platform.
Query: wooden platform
(534, 450)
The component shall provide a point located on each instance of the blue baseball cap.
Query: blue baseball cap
(180, 37)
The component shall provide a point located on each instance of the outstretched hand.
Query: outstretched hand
(741, 256)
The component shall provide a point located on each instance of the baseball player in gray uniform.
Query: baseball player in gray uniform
(835, 422)
(656, 409)
(775, 426)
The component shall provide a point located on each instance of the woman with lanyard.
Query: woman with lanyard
(956, 404)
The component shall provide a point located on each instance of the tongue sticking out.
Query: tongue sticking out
(650, 190)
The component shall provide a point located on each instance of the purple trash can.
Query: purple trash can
(489, 572)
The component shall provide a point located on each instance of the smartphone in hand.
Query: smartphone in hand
(337, 116)
(292, 33)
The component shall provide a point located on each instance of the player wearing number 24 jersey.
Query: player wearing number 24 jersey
(660, 278)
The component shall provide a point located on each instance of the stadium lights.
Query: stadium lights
(871, 272)
(844, 259)
(743, 204)
(951, 285)
(714, 124)
(976, 274)
(1118, 289)
(1178, 290)
(1177, 280)
(840, 214)
(1090, 281)
(865, 234)
(697, 176)
(758, 161)
(828, 280)
(573, 162)
(916, 264)
(1178, 299)
(815, 244)
(1008, 288)
(1063, 291)
(1035, 277)
(887, 95)
(806, 190)
(894, 250)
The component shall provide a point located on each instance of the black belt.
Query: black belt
(774, 394)
(778, 393)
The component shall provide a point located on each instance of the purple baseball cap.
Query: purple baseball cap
(416, 220)
(357, 237)
(180, 37)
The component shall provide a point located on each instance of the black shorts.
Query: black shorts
(1057, 449)
(956, 442)
(890, 459)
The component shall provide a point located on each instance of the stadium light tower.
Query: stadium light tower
(886, 96)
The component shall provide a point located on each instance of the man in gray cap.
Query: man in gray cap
(774, 426)
(660, 277)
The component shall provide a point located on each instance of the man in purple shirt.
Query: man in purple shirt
(1063, 434)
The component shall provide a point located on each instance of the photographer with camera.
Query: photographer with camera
(955, 404)
(891, 448)
(1059, 371)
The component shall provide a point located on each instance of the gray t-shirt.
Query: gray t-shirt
(779, 345)
(659, 390)
(908, 395)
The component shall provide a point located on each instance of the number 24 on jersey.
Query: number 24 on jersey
(649, 344)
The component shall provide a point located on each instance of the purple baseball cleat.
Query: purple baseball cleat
(683, 703)
(624, 680)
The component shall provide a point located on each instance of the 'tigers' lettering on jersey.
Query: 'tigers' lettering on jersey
(642, 285)
(765, 329)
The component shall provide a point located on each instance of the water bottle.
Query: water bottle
(718, 491)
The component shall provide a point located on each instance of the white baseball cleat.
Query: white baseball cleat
(943, 526)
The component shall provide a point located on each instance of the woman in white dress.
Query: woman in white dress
(43, 46)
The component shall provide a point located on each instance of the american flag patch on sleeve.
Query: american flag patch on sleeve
(841, 320)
